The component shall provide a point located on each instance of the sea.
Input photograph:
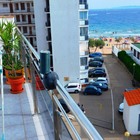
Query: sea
(117, 22)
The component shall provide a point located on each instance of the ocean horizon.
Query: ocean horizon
(123, 22)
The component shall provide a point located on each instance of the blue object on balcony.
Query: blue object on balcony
(49, 80)
(44, 62)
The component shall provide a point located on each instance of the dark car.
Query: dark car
(97, 73)
(98, 58)
(97, 68)
(95, 54)
(95, 64)
(90, 89)
(102, 86)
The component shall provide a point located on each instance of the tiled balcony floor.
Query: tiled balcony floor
(20, 121)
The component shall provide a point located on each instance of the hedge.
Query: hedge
(128, 62)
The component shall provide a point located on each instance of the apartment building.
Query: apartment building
(58, 26)
(83, 42)
(62, 28)
(23, 12)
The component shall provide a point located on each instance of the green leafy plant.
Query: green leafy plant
(11, 46)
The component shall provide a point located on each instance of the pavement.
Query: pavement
(20, 120)
(102, 110)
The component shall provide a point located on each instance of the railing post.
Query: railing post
(33, 80)
(57, 123)
(23, 54)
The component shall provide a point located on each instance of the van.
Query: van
(73, 87)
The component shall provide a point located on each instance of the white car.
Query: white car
(100, 80)
(73, 87)
(121, 107)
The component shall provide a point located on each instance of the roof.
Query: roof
(132, 97)
(137, 45)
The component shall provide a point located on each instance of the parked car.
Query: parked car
(97, 73)
(102, 86)
(92, 90)
(96, 68)
(121, 108)
(73, 87)
(100, 80)
(95, 63)
(98, 58)
(95, 54)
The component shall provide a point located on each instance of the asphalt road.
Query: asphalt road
(102, 110)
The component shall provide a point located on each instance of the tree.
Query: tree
(90, 44)
(96, 43)
(118, 39)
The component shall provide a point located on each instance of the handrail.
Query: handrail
(79, 115)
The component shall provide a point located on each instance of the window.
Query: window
(16, 6)
(5, 5)
(134, 52)
(83, 61)
(24, 29)
(83, 15)
(71, 86)
(83, 1)
(17, 18)
(83, 31)
(22, 6)
(138, 55)
(139, 123)
(23, 18)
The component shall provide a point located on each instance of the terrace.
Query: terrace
(37, 113)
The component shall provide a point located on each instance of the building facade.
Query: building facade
(62, 28)
(83, 42)
(58, 26)
(23, 12)
(135, 49)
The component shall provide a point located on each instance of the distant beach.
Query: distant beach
(114, 22)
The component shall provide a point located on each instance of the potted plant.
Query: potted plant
(12, 62)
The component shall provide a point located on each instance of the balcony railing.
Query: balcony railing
(63, 123)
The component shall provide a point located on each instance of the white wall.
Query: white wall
(133, 120)
(130, 117)
(65, 38)
(40, 19)
(126, 114)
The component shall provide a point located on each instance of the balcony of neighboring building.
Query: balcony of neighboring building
(84, 34)
(83, 5)
(83, 22)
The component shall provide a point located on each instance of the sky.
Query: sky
(101, 4)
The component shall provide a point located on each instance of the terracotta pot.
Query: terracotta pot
(16, 85)
(9, 72)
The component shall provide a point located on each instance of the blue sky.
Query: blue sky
(99, 4)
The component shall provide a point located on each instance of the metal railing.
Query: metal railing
(72, 125)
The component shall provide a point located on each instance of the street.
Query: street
(102, 110)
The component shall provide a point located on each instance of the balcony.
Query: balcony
(83, 37)
(83, 22)
(83, 6)
(37, 112)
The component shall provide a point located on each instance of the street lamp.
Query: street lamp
(133, 82)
